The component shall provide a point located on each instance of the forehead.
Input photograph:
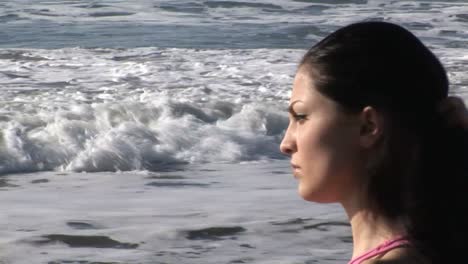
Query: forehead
(305, 92)
(303, 87)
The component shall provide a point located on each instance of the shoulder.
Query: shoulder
(399, 256)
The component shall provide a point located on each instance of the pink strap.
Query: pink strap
(382, 248)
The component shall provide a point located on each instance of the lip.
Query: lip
(295, 169)
(294, 166)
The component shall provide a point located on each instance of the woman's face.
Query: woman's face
(323, 143)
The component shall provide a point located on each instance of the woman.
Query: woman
(371, 127)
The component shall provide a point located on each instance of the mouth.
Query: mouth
(295, 169)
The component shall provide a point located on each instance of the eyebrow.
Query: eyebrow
(290, 107)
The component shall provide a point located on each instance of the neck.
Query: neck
(368, 230)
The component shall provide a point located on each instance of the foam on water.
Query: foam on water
(106, 109)
(80, 109)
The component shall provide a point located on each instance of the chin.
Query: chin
(316, 196)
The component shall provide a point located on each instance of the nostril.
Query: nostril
(286, 150)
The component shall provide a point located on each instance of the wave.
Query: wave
(110, 14)
(151, 109)
(235, 4)
(333, 2)
(139, 136)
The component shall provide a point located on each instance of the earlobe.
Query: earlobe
(371, 126)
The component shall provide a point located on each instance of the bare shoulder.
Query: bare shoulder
(399, 256)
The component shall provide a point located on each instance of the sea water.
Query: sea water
(148, 131)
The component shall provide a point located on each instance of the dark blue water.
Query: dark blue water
(201, 24)
(128, 35)
(213, 24)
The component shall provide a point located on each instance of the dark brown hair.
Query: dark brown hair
(418, 172)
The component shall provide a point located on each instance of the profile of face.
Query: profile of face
(324, 143)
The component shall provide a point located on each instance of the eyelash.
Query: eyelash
(299, 117)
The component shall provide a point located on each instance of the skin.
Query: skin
(322, 142)
(398, 256)
(329, 150)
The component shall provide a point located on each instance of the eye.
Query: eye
(299, 117)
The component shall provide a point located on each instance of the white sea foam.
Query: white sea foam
(106, 110)
(147, 108)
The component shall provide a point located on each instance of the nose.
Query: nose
(288, 144)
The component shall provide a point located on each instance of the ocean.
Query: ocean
(148, 131)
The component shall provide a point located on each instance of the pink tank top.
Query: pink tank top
(382, 248)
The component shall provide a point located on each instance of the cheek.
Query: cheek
(316, 161)
(329, 155)
(341, 146)
(316, 140)
(310, 137)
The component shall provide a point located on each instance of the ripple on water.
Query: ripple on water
(166, 177)
(80, 225)
(66, 261)
(9, 18)
(110, 14)
(5, 183)
(93, 5)
(333, 2)
(323, 226)
(39, 181)
(190, 7)
(213, 233)
(242, 260)
(176, 184)
(294, 221)
(462, 17)
(85, 241)
(233, 4)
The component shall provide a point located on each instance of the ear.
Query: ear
(371, 127)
